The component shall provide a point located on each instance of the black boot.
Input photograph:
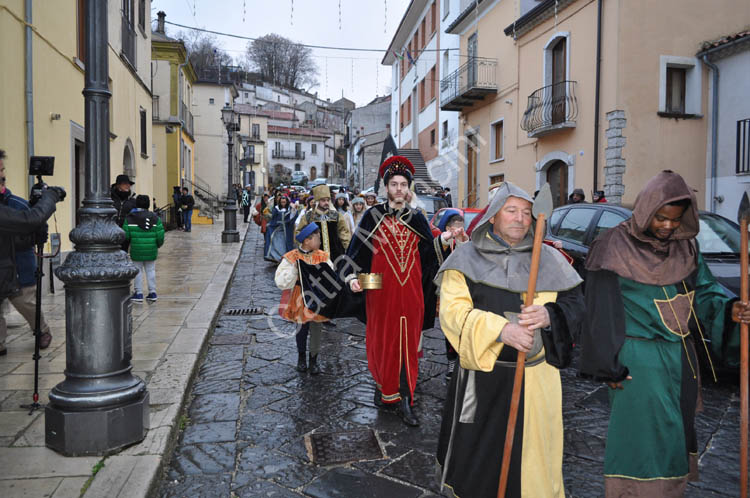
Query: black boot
(314, 368)
(301, 363)
(406, 413)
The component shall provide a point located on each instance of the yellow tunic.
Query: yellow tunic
(473, 333)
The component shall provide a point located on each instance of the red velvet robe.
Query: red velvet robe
(395, 313)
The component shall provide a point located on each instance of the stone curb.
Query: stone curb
(136, 471)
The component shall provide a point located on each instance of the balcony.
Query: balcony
(287, 154)
(187, 118)
(128, 41)
(468, 84)
(551, 108)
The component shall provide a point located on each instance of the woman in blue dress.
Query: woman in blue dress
(280, 231)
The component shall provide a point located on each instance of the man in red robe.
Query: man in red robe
(395, 241)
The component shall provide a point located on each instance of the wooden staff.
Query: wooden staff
(743, 215)
(536, 253)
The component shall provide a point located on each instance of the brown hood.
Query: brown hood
(631, 252)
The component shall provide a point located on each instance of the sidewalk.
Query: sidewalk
(193, 271)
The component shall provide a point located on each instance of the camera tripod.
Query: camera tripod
(35, 405)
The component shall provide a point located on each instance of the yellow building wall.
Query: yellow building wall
(57, 86)
(162, 190)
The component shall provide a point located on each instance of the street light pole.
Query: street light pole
(230, 233)
(101, 406)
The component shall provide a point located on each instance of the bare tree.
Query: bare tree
(204, 51)
(282, 61)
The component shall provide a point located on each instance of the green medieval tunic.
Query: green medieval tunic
(648, 324)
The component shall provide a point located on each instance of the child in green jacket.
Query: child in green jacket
(145, 232)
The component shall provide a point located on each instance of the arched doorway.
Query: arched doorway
(128, 164)
(557, 177)
(313, 173)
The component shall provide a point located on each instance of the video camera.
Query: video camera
(40, 166)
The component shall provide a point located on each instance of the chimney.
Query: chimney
(160, 23)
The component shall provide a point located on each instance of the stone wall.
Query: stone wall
(614, 167)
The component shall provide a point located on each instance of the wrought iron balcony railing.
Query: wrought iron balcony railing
(128, 41)
(468, 84)
(287, 154)
(550, 108)
(743, 146)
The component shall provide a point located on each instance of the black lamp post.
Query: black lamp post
(101, 406)
(230, 233)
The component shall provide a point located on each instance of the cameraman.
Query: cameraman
(17, 224)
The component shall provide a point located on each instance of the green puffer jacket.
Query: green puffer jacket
(144, 231)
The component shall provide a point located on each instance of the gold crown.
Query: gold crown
(371, 281)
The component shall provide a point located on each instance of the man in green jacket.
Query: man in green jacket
(145, 232)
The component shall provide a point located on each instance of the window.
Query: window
(497, 141)
(256, 130)
(575, 225)
(557, 215)
(142, 14)
(422, 94)
(432, 137)
(81, 31)
(445, 129)
(297, 149)
(247, 95)
(499, 178)
(433, 82)
(144, 146)
(314, 148)
(401, 121)
(446, 8)
(446, 64)
(423, 31)
(675, 90)
(680, 86)
(211, 101)
(433, 21)
(297, 167)
(277, 148)
(415, 45)
(607, 220)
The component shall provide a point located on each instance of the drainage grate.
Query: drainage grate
(327, 448)
(245, 311)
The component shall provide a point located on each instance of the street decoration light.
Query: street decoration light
(101, 406)
(230, 233)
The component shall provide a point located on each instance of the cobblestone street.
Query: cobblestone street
(250, 410)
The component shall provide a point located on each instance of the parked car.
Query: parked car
(577, 225)
(468, 213)
(431, 204)
(316, 182)
(299, 178)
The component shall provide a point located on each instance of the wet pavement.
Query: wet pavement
(250, 412)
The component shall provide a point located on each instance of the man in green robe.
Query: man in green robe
(651, 302)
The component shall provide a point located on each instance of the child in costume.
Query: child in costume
(291, 274)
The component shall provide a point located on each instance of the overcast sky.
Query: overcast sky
(364, 24)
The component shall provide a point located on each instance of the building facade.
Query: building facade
(551, 113)
(211, 157)
(173, 120)
(44, 115)
(375, 117)
(420, 54)
(728, 154)
(254, 139)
